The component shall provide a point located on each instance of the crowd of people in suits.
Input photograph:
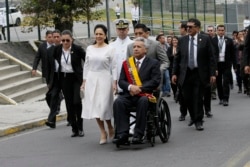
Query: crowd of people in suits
(124, 73)
(230, 57)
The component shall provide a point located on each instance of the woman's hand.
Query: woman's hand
(115, 87)
(83, 85)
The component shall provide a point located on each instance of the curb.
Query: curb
(29, 125)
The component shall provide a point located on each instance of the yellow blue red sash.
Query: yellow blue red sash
(134, 78)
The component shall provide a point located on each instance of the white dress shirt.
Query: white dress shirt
(120, 53)
(66, 61)
(135, 13)
(222, 48)
(195, 48)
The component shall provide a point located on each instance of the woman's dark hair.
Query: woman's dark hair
(174, 37)
(105, 30)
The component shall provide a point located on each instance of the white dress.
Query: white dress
(99, 66)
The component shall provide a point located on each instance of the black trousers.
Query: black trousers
(193, 91)
(183, 106)
(53, 99)
(207, 98)
(238, 76)
(121, 114)
(223, 81)
(213, 90)
(71, 91)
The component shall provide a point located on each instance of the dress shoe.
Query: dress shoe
(221, 102)
(68, 124)
(50, 124)
(103, 139)
(115, 139)
(232, 86)
(191, 122)
(209, 114)
(199, 126)
(176, 98)
(182, 118)
(57, 112)
(240, 91)
(166, 94)
(121, 139)
(214, 98)
(74, 134)
(137, 140)
(225, 103)
(245, 91)
(81, 133)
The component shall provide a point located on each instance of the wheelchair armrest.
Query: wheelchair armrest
(156, 93)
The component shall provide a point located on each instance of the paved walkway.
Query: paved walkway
(26, 115)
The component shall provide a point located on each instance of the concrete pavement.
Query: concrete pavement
(26, 115)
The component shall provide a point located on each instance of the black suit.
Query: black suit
(246, 55)
(70, 84)
(194, 81)
(176, 89)
(41, 55)
(50, 66)
(223, 78)
(53, 96)
(208, 92)
(150, 76)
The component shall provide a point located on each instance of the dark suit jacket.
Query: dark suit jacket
(171, 56)
(41, 54)
(246, 52)
(77, 56)
(155, 51)
(230, 57)
(205, 59)
(149, 74)
(50, 66)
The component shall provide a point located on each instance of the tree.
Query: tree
(61, 13)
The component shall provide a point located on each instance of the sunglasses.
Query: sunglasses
(190, 27)
(65, 40)
(209, 30)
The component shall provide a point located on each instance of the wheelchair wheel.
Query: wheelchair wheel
(164, 120)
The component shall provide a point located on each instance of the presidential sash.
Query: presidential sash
(133, 77)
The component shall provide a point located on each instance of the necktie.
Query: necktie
(191, 54)
(138, 65)
(221, 44)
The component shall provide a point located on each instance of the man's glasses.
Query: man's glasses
(209, 30)
(65, 40)
(190, 27)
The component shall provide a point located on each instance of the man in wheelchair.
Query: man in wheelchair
(140, 75)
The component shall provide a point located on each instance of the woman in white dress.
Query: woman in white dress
(99, 84)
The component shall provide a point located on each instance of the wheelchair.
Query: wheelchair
(158, 121)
